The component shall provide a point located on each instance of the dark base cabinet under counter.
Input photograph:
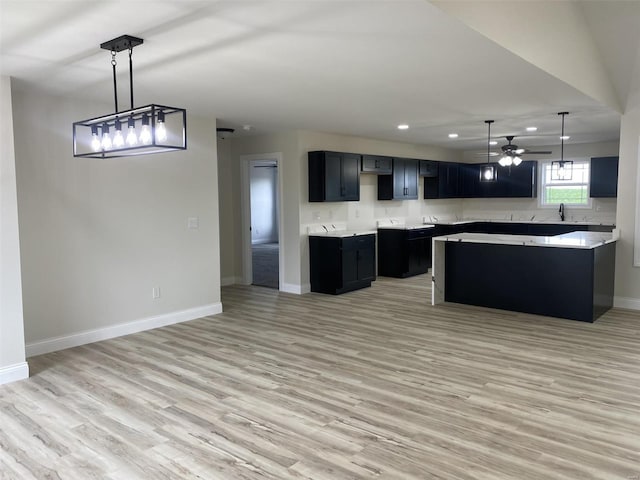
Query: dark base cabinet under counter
(341, 262)
(404, 251)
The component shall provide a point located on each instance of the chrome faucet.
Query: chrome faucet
(561, 211)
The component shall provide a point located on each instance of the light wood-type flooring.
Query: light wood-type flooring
(374, 384)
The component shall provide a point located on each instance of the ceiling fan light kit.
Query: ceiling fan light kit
(149, 129)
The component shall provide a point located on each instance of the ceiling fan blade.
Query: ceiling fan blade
(542, 152)
(491, 154)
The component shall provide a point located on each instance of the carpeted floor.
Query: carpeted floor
(265, 265)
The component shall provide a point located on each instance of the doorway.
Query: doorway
(261, 220)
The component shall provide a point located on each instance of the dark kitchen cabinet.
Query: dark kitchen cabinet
(448, 175)
(377, 164)
(342, 264)
(402, 184)
(468, 180)
(334, 176)
(603, 180)
(404, 253)
(521, 181)
(427, 168)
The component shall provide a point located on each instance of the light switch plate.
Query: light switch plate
(193, 223)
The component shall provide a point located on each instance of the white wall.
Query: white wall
(12, 352)
(263, 180)
(602, 210)
(627, 291)
(98, 235)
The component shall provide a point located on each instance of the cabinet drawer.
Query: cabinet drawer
(358, 242)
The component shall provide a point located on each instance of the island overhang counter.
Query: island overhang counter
(567, 276)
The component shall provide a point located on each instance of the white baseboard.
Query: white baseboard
(89, 336)
(626, 302)
(230, 281)
(13, 373)
(293, 288)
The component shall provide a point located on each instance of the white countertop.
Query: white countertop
(406, 227)
(548, 222)
(567, 240)
(342, 233)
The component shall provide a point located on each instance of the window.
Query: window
(574, 192)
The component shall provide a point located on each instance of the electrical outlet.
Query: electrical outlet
(155, 292)
(316, 215)
(193, 223)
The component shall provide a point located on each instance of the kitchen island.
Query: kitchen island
(567, 276)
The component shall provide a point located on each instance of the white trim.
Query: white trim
(226, 281)
(293, 288)
(626, 302)
(245, 207)
(89, 336)
(13, 373)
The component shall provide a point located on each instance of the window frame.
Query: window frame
(543, 165)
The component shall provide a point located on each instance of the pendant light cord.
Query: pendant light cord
(115, 81)
(131, 75)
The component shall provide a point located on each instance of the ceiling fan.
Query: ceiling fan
(511, 154)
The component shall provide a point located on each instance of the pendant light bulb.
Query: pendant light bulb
(95, 139)
(517, 161)
(161, 128)
(145, 133)
(132, 138)
(106, 138)
(118, 139)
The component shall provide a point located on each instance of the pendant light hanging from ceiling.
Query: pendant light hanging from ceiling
(488, 171)
(150, 129)
(562, 169)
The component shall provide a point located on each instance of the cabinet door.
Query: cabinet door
(469, 179)
(398, 178)
(521, 181)
(428, 168)
(333, 177)
(376, 164)
(448, 180)
(410, 179)
(350, 177)
(367, 262)
(603, 180)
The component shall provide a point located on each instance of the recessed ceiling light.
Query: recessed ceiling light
(565, 137)
(403, 126)
(453, 135)
(532, 129)
(493, 142)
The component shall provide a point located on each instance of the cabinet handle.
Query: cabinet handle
(377, 165)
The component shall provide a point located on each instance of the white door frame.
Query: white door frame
(245, 205)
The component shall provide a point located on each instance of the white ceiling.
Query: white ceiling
(356, 67)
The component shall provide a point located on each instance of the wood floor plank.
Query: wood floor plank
(373, 384)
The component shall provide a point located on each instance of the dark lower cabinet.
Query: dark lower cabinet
(404, 253)
(342, 264)
(603, 180)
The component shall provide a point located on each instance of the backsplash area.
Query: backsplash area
(602, 210)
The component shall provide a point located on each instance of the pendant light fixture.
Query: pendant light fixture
(562, 169)
(488, 172)
(149, 129)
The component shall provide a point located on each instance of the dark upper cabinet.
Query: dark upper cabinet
(512, 182)
(334, 177)
(377, 164)
(468, 180)
(427, 168)
(448, 176)
(402, 184)
(522, 180)
(603, 181)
